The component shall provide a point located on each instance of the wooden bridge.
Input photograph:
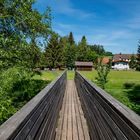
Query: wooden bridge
(72, 110)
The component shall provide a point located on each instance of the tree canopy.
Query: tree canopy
(138, 57)
(19, 22)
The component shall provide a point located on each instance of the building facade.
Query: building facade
(83, 66)
(121, 61)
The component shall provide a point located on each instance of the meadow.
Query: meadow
(48, 75)
(122, 85)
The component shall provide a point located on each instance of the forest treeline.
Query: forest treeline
(64, 51)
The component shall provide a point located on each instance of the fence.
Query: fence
(38, 118)
(107, 118)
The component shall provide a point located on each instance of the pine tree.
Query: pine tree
(54, 51)
(82, 50)
(71, 39)
(70, 51)
(132, 62)
(70, 56)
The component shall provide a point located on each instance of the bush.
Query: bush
(134, 94)
(11, 76)
(128, 85)
(134, 97)
(17, 88)
(6, 109)
(25, 90)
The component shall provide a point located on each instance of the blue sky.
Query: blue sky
(115, 24)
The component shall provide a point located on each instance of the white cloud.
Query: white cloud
(65, 7)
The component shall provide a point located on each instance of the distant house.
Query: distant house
(83, 66)
(121, 61)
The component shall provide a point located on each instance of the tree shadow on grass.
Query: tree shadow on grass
(133, 93)
(26, 89)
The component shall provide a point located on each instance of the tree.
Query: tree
(102, 71)
(82, 50)
(108, 54)
(71, 39)
(132, 62)
(19, 22)
(54, 51)
(70, 56)
(138, 57)
(70, 51)
(91, 55)
(99, 49)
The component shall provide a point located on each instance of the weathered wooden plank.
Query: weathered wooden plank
(61, 119)
(69, 134)
(106, 116)
(25, 124)
(74, 123)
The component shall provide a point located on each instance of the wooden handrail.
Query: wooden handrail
(38, 118)
(107, 118)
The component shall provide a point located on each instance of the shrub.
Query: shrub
(6, 108)
(17, 88)
(102, 71)
(134, 94)
(26, 89)
(128, 85)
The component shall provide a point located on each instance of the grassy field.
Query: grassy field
(48, 75)
(116, 86)
(70, 75)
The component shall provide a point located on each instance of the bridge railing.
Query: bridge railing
(38, 118)
(107, 118)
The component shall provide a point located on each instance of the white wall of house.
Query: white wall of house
(121, 66)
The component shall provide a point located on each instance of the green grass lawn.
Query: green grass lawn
(48, 75)
(70, 75)
(116, 88)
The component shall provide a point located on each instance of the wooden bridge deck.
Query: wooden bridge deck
(71, 124)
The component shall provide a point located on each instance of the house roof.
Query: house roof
(121, 57)
(79, 63)
(105, 60)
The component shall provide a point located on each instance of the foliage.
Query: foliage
(99, 49)
(71, 39)
(103, 71)
(132, 62)
(91, 56)
(19, 23)
(16, 88)
(70, 56)
(134, 96)
(70, 51)
(128, 85)
(138, 57)
(108, 53)
(82, 49)
(54, 51)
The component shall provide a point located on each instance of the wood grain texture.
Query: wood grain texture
(108, 119)
(38, 118)
(72, 124)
